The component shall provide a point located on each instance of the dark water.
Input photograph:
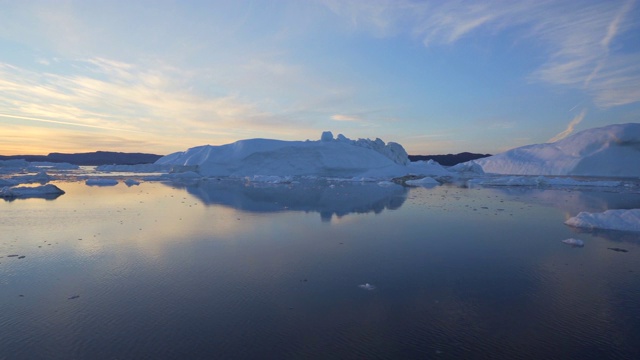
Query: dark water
(228, 270)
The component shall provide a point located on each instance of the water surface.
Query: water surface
(221, 269)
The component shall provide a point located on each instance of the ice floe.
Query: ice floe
(540, 181)
(101, 182)
(574, 242)
(48, 190)
(367, 286)
(624, 220)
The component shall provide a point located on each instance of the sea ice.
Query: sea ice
(539, 181)
(26, 192)
(41, 177)
(13, 166)
(139, 168)
(101, 182)
(367, 286)
(624, 220)
(53, 165)
(574, 242)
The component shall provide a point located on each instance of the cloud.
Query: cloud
(342, 117)
(577, 37)
(572, 124)
(109, 97)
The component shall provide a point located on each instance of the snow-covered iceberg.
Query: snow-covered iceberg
(624, 220)
(610, 151)
(328, 157)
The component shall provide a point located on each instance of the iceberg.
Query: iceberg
(45, 191)
(329, 157)
(623, 220)
(610, 151)
(13, 166)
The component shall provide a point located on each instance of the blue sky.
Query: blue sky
(435, 76)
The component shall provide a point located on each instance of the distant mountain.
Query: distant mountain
(449, 159)
(91, 158)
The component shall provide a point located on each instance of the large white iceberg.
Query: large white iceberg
(624, 220)
(610, 151)
(328, 157)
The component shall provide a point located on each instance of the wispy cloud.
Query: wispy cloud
(155, 100)
(570, 128)
(342, 117)
(578, 36)
(49, 121)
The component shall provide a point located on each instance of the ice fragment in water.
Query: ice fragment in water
(367, 286)
(574, 242)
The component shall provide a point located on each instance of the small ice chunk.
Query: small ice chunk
(386, 183)
(574, 242)
(367, 286)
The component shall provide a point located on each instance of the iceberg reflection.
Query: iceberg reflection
(324, 197)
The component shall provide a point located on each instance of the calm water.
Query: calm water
(226, 270)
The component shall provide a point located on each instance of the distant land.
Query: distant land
(120, 158)
(91, 158)
(449, 159)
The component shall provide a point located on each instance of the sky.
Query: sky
(438, 77)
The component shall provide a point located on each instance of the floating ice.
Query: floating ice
(540, 181)
(48, 190)
(574, 242)
(13, 166)
(101, 182)
(358, 160)
(53, 165)
(610, 151)
(268, 179)
(139, 168)
(624, 220)
(40, 177)
(367, 286)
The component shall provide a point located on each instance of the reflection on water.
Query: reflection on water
(227, 270)
(315, 196)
